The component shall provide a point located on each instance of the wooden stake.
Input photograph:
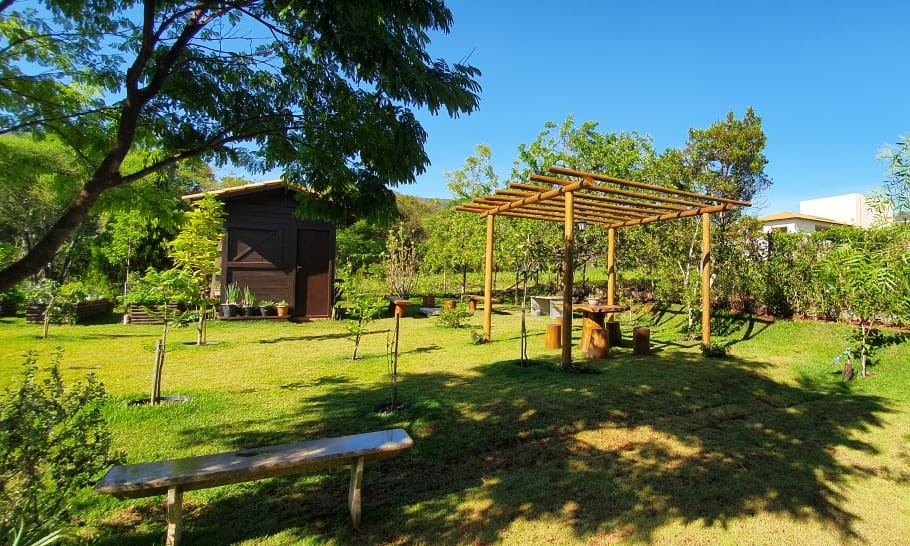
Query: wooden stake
(488, 283)
(705, 278)
(567, 278)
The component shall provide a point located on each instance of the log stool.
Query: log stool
(448, 304)
(598, 344)
(614, 333)
(429, 301)
(400, 307)
(472, 305)
(553, 337)
(641, 340)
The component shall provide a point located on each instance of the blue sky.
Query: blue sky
(829, 80)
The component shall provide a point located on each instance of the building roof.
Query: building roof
(240, 190)
(783, 216)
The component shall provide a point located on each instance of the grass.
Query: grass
(767, 446)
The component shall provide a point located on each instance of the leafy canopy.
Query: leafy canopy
(323, 91)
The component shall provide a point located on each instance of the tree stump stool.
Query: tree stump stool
(614, 333)
(400, 307)
(429, 301)
(641, 341)
(448, 304)
(598, 344)
(553, 337)
(472, 305)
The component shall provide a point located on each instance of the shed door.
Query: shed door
(315, 254)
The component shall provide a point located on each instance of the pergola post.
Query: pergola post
(611, 268)
(568, 274)
(705, 278)
(488, 283)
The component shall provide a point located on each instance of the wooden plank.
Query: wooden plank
(156, 478)
(539, 197)
(354, 491)
(616, 191)
(651, 187)
(174, 517)
(706, 278)
(637, 206)
(568, 271)
(488, 282)
(672, 216)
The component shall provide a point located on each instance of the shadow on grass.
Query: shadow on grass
(318, 337)
(651, 441)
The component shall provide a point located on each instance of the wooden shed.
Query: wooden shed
(276, 255)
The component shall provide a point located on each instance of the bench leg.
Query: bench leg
(354, 491)
(174, 516)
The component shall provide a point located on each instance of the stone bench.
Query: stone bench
(175, 476)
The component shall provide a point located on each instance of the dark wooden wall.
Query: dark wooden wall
(278, 256)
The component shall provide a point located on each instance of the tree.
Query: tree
(727, 158)
(197, 250)
(321, 90)
(476, 178)
(896, 192)
(873, 278)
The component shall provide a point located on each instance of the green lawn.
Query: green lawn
(764, 447)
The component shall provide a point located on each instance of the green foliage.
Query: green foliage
(714, 350)
(727, 158)
(456, 317)
(476, 178)
(231, 294)
(362, 310)
(247, 297)
(163, 287)
(895, 195)
(359, 245)
(54, 441)
(196, 248)
(326, 94)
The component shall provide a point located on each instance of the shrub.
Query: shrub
(53, 442)
(453, 318)
(714, 350)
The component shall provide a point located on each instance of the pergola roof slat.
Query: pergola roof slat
(623, 203)
(642, 185)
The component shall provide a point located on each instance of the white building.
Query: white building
(851, 209)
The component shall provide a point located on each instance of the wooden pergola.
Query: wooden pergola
(574, 196)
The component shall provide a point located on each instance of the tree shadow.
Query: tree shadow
(652, 441)
(317, 337)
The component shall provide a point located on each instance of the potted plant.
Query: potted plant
(230, 308)
(267, 308)
(282, 308)
(250, 309)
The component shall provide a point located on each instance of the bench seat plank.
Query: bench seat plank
(156, 478)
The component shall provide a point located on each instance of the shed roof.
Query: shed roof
(239, 190)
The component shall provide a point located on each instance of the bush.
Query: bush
(714, 350)
(53, 442)
(453, 318)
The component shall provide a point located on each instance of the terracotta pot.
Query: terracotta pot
(282, 310)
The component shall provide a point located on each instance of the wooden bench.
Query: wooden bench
(473, 299)
(175, 476)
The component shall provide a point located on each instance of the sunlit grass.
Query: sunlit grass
(767, 446)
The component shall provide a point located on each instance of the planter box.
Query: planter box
(34, 312)
(139, 316)
(7, 308)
